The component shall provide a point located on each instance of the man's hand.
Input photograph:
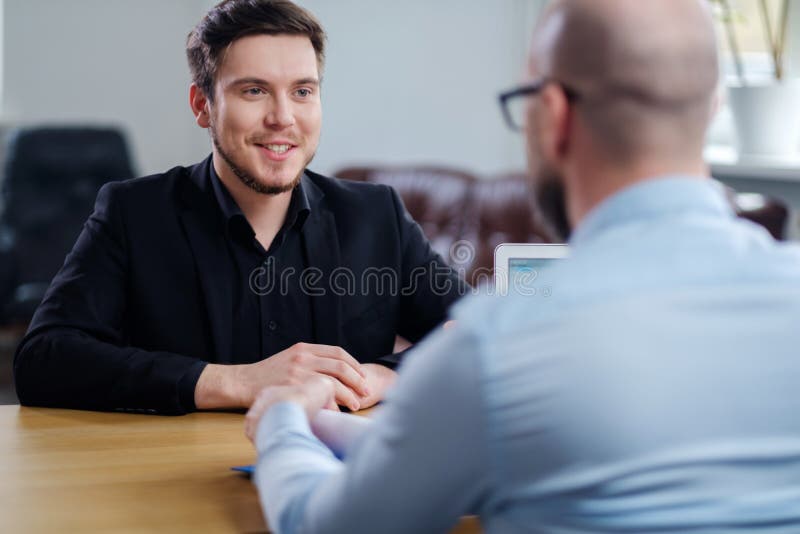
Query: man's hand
(312, 395)
(379, 379)
(225, 386)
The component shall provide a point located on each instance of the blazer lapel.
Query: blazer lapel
(322, 252)
(212, 261)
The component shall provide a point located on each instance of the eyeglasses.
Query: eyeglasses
(512, 102)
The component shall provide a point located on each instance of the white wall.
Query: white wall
(412, 81)
(108, 62)
(417, 81)
(2, 69)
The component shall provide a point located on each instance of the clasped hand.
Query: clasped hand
(355, 385)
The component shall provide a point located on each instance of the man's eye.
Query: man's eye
(254, 91)
(303, 93)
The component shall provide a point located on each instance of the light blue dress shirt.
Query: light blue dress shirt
(656, 388)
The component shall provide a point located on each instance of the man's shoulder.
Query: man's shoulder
(151, 184)
(349, 191)
(180, 185)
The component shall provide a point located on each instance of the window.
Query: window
(748, 26)
(757, 64)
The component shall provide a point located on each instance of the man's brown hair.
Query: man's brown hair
(233, 19)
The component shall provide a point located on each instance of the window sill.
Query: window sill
(726, 163)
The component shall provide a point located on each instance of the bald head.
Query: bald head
(646, 70)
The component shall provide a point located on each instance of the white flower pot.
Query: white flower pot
(767, 118)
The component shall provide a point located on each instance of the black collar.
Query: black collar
(233, 218)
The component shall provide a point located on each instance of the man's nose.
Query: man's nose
(280, 114)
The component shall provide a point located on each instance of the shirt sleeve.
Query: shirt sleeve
(421, 466)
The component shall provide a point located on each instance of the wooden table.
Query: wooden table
(74, 471)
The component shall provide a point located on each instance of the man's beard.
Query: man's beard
(551, 199)
(248, 179)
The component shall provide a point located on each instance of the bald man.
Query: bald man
(654, 391)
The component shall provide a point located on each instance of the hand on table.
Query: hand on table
(225, 386)
(316, 392)
(298, 363)
(313, 394)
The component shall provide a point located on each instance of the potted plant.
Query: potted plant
(766, 113)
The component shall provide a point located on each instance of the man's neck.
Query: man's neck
(589, 185)
(265, 213)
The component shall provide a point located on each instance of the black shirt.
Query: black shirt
(270, 311)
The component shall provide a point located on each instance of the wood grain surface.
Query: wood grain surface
(75, 471)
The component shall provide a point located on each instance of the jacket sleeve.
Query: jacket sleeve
(429, 286)
(75, 353)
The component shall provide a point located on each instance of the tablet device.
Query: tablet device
(521, 267)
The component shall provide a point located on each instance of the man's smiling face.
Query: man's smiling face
(266, 116)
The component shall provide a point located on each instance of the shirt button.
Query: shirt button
(272, 325)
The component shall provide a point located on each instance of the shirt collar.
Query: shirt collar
(299, 206)
(654, 198)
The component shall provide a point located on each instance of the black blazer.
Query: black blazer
(139, 305)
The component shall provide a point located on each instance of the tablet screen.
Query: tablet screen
(529, 275)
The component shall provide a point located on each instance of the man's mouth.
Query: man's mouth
(276, 151)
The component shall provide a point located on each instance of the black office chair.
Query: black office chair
(50, 182)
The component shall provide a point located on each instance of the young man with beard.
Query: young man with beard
(195, 288)
(655, 390)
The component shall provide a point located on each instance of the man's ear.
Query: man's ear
(201, 107)
(555, 122)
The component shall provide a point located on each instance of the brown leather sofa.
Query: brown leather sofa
(465, 217)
